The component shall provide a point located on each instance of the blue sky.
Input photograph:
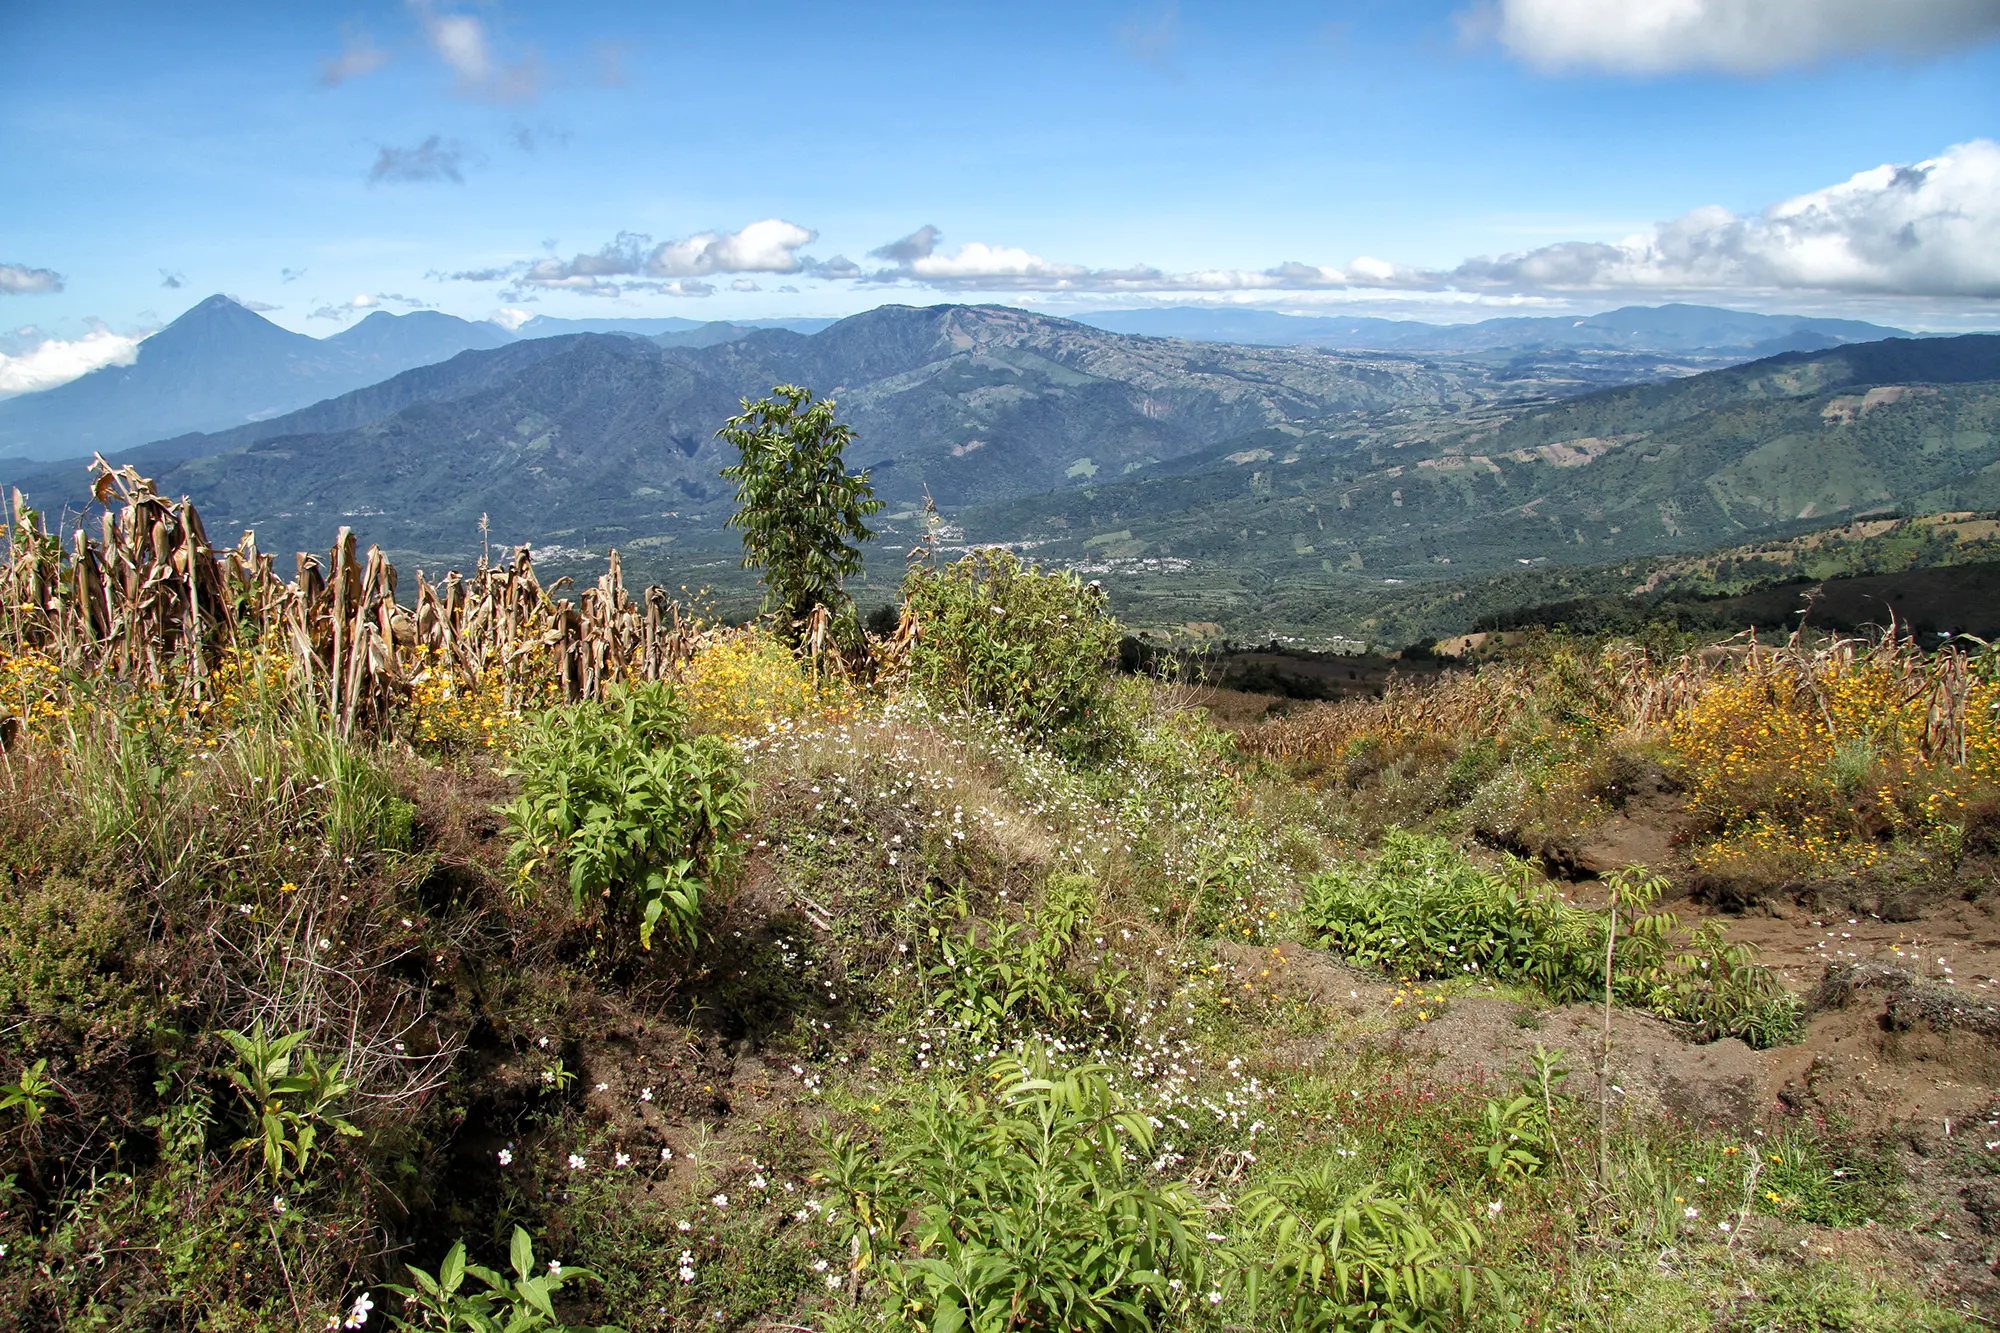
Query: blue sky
(326, 159)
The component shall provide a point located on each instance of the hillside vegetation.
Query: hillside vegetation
(496, 958)
(593, 440)
(1318, 529)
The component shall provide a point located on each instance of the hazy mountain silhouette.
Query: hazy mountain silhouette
(219, 365)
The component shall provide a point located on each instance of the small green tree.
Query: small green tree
(799, 508)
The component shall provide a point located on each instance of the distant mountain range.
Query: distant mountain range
(1664, 329)
(590, 439)
(219, 365)
(1302, 487)
(1312, 524)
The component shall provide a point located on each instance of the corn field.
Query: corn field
(145, 597)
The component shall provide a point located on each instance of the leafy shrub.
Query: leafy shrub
(1027, 1210)
(61, 942)
(515, 1304)
(634, 809)
(288, 1106)
(1031, 644)
(799, 508)
(996, 976)
(1422, 909)
(1367, 1257)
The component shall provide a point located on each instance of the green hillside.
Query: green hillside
(1315, 531)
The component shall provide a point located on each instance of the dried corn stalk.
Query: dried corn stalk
(148, 599)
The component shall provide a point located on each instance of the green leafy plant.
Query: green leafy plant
(31, 1092)
(1031, 644)
(501, 1304)
(798, 507)
(1365, 1257)
(1514, 1129)
(1422, 909)
(993, 976)
(290, 1099)
(635, 810)
(1029, 1209)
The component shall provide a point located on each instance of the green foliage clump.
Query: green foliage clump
(799, 508)
(994, 977)
(1422, 909)
(61, 946)
(518, 1303)
(1031, 644)
(1367, 1257)
(1823, 1175)
(1027, 1210)
(632, 807)
(289, 1106)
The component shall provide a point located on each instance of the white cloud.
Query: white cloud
(511, 319)
(1932, 229)
(769, 246)
(54, 361)
(21, 280)
(462, 42)
(632, 262)
(979, 262)
(362, 301)
(1738, 36)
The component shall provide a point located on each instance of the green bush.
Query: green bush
(1028, 1210)
(514, 1303)
(1367, 1257)
(992, 979)
(1422, 909)
(1033, 645)
(635, 810)
(62, 942)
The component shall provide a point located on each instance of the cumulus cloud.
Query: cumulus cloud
(358, 56)
(1737, 36)
(463, 43)
(432, 160)
(632, 262)
(918, 260)
(290, 274)
(171, 279)
(54, 361)
(769, 246)
(1929, 229)
(21, 280)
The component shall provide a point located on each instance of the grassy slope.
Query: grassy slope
(148, 904)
